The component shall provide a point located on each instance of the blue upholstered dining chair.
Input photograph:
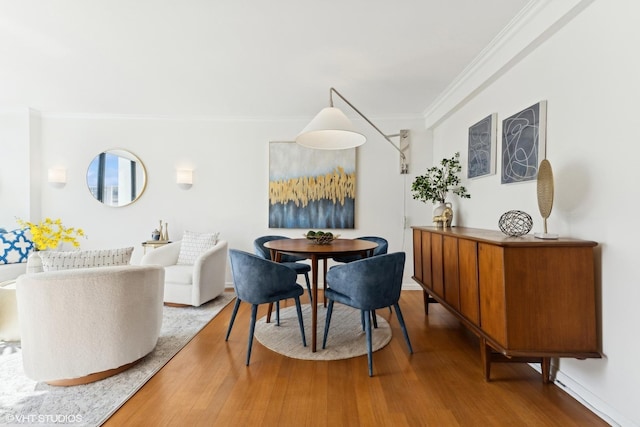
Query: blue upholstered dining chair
(367, 284)
(260, 281)
(381, 249)
(288, 260)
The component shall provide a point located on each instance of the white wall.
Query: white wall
(230, 190)
(19, 166)
(588, 71)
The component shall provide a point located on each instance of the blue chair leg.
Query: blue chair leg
(277, 313)
(233, 318)
(362, 320)
(404, 328)
(299, 310)
(306, 277)
(367, 323)
(374, 318)
(326, 323)
(252, 328)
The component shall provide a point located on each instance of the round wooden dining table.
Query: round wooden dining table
(307, 248)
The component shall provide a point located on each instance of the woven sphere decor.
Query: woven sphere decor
(515, 223)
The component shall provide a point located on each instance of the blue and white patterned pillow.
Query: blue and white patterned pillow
(15, 246)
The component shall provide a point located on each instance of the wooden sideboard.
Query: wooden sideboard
(527, 299)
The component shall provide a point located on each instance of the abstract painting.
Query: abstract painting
(311, 189)
(482, 148)
(523, 143)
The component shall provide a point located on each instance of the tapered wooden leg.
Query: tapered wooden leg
(425, 297)
(545, 366)
(324, 281)
(485, 356)
(314, 306)
(277, 257)
(269, 312)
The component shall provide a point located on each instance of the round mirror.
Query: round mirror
(116, 177)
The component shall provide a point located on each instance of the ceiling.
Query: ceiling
(239, 58)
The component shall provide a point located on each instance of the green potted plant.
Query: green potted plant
(436, 184)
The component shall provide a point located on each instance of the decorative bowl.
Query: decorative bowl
(323, 239)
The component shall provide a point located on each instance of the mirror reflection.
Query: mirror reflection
(116, 177)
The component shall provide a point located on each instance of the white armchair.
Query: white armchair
(190, 284)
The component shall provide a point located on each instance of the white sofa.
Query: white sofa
(12, 271)
(81, 325)
(9, 327)
(191, 284)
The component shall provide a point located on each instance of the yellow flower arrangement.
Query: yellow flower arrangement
(49, 233)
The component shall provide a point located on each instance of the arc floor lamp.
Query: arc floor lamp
(330, 129)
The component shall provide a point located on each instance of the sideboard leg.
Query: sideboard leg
(545, 366)
(425, 297)
(485, 356)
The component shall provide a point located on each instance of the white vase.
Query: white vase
(442, 214)
(34, 263)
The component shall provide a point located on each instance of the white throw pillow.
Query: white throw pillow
(59, 260)
(195, 244)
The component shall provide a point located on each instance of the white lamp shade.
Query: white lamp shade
(57, 176)
(184, 178)
(330, 129)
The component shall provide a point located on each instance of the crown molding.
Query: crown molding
(536, 23)
(200, 118)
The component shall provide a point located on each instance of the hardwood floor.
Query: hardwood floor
(441, 384)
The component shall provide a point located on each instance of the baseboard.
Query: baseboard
(586, 398)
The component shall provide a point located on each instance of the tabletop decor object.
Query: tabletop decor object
(321, 237)
(545, 197)
(515, 223)
(435, 185)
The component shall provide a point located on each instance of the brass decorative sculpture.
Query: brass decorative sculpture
(545, 197)
(444, 219)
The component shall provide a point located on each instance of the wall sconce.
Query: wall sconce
(57, 177)
(330, 129)
(184, 178)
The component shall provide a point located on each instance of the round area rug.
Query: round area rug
(345, 338)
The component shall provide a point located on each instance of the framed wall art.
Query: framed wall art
(482, 147)
(311, 189)
(523, 143)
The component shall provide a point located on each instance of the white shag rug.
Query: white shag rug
(27, 402)
(345, 339)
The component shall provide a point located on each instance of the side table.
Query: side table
(154, 244)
